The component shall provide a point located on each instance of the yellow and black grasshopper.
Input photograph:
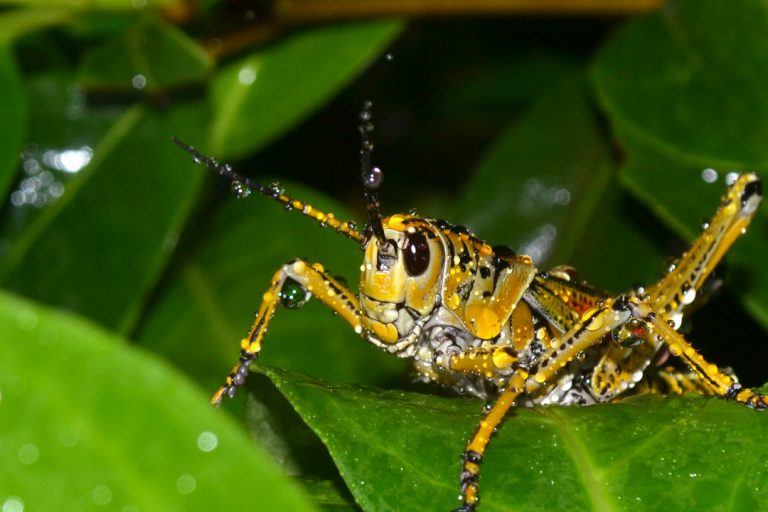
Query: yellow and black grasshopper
(486, 322)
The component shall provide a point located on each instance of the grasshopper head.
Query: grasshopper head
(400, 278)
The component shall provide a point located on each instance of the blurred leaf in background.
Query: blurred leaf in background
(581, 140)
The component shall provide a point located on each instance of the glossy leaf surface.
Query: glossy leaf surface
(645, 453)
(107, 252)
(108, 431)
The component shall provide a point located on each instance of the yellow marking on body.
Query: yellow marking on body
(395, 222)
(387, 333)
(503, 359)
(484, 320)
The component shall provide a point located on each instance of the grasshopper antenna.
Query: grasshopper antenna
(243, 187)
(372, 176)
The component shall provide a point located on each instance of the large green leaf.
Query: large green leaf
(100, 248)
(258, 97)
(400, 451)
(88, 423)
(549, 192)
(681, 82)
(537, 187)
(698, 103)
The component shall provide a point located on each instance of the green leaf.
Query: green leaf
(99, 249)
(22, 21)
(197, 321)
(14, 119)
(536, 188)
(90, 424)
(260, 96)
(699, 103)
(682, 83)
(401, 451)
(150, 55)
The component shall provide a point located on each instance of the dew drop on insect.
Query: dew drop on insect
(277, 189)
(365, 114)
(689, 296)
(731, 177)
(292, 295)
(240, 189)
(240, 376)
(373, 178)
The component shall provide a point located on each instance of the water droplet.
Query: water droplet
(68, 438)
(292, 295)
(689, 296)
(186, 484)
(247, 75)
(26, 319)
(277, 189)
(207, 441)
(101, 495)
(139, 82)
(28, 454)
(389, 57)
(709, 175)
(13, 504)
(240, 189)
(373, 178)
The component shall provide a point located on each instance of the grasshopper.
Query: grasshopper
(486, 322)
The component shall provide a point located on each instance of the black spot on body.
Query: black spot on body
(752, 189)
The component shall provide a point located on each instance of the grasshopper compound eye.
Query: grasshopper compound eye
(416, 254)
